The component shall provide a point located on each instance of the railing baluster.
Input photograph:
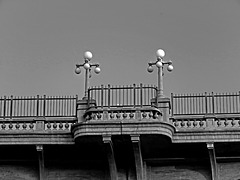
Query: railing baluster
(109, 96)
(11, 106)
(102, 96)
(116, 92)
(123, 90)
(206, 104)
(141, 95)
(172, 104)
(127, 95)
(134, 95)
(76, 106)
(238, 105)
(112, 97)
(4, 108)
(37, 105)
(213, 107)
(230, 103)
(14, 107)
(44, 105)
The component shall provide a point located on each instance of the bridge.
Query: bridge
(132, 124)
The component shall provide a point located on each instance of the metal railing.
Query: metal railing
(206, 103)
(39, 106)
(122, 96)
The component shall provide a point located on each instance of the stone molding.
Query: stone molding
(122, 128)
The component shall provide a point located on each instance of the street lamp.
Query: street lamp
(159, 63)
(87, 66)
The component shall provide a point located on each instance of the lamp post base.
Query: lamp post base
(163, 104)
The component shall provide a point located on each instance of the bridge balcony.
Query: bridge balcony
(127, 109)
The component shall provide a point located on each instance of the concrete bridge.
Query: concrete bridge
(121, 132)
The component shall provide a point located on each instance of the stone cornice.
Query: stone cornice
(91, 128)
(14, 138)
(115, 127)
(230, 135)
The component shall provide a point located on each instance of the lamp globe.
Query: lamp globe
(86, 65)
(159, 64)
(77, 70)
(170, 68)
(160, 53)
(150, 69)
(97, 70)
(88, 55)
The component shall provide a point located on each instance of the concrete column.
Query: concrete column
(213, 162)
(163, 104)
(82, 106)
(111, 158)
(39, 149)
(137, 156)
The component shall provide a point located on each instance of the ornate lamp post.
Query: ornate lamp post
(160, 64)
(87, 66)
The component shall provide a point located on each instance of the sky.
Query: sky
(41, 41)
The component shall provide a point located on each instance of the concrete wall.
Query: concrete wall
(66, 173)
(178, 172)
(229, 171)
(18, 172)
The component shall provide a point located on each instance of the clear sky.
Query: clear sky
(42, 40)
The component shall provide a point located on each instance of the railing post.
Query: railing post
(76, 108)
(109, 96)
(4, 107)
(213, 107)
(134, 95)
(11, 106)
(102, 95)
(37, 105)
(141, 95)
(206, 104)
(238, 101)
(44, 105)
(171, 105)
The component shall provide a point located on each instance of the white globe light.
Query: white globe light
(160, 53)
(86, 65)
(159, 64)
(150, 69)
(77, 70)
(97, 70)
(88, 55)
(170, 68)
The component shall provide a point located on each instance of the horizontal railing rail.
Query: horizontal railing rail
(39, 106)
(122, 96)
(206, 103)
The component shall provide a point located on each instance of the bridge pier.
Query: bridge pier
(110, 156)
(213, 162)
(39, 149)
(138, 156)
